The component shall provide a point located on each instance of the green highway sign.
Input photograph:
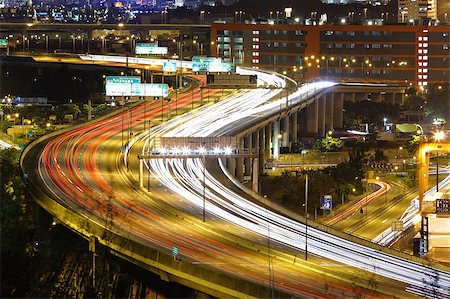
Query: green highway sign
(175, 251)
(3, 43)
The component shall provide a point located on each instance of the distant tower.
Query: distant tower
(416, 9)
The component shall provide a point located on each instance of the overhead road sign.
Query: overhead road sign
(3, 43)
(326, 202)
(170, 66)
(132, 86)
(210, 64)
(150, 49)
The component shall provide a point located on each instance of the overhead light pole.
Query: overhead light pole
(438, 136)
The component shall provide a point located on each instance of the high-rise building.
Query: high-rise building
(416, 9)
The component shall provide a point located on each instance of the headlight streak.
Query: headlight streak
(185, 179)
(412, 211)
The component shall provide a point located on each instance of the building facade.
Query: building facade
(416, 55)
(416, 9)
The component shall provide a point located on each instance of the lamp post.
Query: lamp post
(73, 43)
(306, 217)
(438, 136)
(59, 41)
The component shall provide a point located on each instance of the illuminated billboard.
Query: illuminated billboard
(150, 49)
(132, 86)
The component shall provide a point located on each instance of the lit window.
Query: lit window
(425, 58)
(420, 70)
(425, 38)
(425, 45)
(420, 51)
(420, 38)
(425, 64)
(256, 39)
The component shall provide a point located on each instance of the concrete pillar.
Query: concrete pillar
(248, 145)
(240, 169)
(267, 140)
(312, 117)
(376, 97)
(255, 174)
(275, 140)
(232, 166)
(294, 119)
(261, 149)
(141, 173)
(322, 115)
(329, 111)
(286, 131)
(338, 113)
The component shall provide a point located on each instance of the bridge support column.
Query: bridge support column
(267, 141)
(255, 174)
(322, 115)
(286, 131)
(329, 111)
(275, 139)
(312, 117)
(294, 119)
(376, 97)
(261, 150)
(240, 162)
(248, 145)
(399, 98)
(338, 111)
(141, 173)
(231, 166)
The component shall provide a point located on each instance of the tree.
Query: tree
(329, 144)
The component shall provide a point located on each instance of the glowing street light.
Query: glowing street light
(438, 136)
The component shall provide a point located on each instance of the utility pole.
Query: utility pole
(204, 189)
(306, 217)
(148, 173)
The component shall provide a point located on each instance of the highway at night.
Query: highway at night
(82, 169)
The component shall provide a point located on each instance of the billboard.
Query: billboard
(3, 43)
(150, 49)
(170, 66)
(132, 86)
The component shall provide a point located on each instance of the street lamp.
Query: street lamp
(438, 136)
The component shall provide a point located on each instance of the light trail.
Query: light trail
(69, 168)
(185, 179)
(410, 216)
(360, 203)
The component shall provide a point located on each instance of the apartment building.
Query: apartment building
(416, 55)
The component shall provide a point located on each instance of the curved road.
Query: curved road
(80, 170)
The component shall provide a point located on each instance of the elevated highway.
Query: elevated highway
(242, 250)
